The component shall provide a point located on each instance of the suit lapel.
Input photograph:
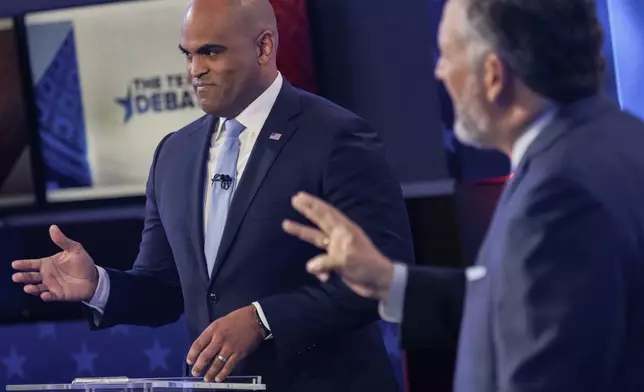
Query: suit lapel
(567, 118)
(266, 149)
(202, 136)
(548, 135)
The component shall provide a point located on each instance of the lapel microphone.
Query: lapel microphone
(225, 179)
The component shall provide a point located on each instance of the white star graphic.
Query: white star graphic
(13, 363)
(47, 330)
(85, 360)
(157, 355)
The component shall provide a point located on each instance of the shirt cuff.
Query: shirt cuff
(262, 317)
(99, 299)
(391, 309)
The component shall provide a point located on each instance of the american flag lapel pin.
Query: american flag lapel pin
(275, 136)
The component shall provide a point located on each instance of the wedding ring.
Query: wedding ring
(222, 359)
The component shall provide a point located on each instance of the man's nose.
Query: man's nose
(198, 68)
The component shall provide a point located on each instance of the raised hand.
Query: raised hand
(349, 251)
(69, 275)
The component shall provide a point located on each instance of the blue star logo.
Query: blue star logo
(85, 360)
(13, 363)
(120, 329)
(47, 331)
(157, 356)
(126, 102)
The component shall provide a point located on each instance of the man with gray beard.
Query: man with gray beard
(555, 300)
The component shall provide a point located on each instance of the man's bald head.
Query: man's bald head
(231, 52)
(250, 17)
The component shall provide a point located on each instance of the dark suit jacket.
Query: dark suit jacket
(325, 337)
(561, 305)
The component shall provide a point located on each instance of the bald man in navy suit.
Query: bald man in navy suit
(212, 246)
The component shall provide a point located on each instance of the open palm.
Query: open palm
(69, 275)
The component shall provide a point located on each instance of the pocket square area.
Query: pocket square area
(476, 272)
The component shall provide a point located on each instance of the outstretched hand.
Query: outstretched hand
(69, 275)
(349, 251)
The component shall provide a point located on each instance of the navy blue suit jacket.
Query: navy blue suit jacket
(561, 305)
(325, 337)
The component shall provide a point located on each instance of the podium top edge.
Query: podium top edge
(138, 384)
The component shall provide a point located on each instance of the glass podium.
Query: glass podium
(125, 384)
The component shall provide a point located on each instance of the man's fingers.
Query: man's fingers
(41, 291)
(197, 346)
(27, 265)
(61, 240)
(218, 365)
(228, 368)
(325, 216)
(48, 296)
(305, 233)
(35, 289)
(206, 357)
(321, 266)
(323, 277)
(27, 277)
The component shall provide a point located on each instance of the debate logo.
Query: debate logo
(158, 94)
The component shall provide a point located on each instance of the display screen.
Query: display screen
(16, 180)
(109, 83)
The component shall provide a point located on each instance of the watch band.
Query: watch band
(267, 332)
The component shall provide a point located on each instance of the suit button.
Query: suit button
(212, 297)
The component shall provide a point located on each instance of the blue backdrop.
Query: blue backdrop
(59, 352)
(626, 20)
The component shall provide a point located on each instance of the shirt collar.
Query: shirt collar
(527, 137)
(255, 114)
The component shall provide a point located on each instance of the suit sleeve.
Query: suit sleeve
(357, 180)
(150, 293)
(559, 303)
(433, 308)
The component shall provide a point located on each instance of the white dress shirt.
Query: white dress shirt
(253, 119)
(391, 309)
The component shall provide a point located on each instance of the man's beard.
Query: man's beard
(472, 125)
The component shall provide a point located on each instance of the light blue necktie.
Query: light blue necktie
(225, 177)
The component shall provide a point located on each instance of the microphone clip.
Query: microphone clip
(225, 179)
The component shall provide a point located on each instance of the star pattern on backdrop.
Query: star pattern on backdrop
(85, 360)
(13, 362)
(157, 356)
(47, 331)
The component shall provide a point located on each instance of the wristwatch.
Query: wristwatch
(266, 331)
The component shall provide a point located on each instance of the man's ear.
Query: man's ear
(265, 47)
(496, 77)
